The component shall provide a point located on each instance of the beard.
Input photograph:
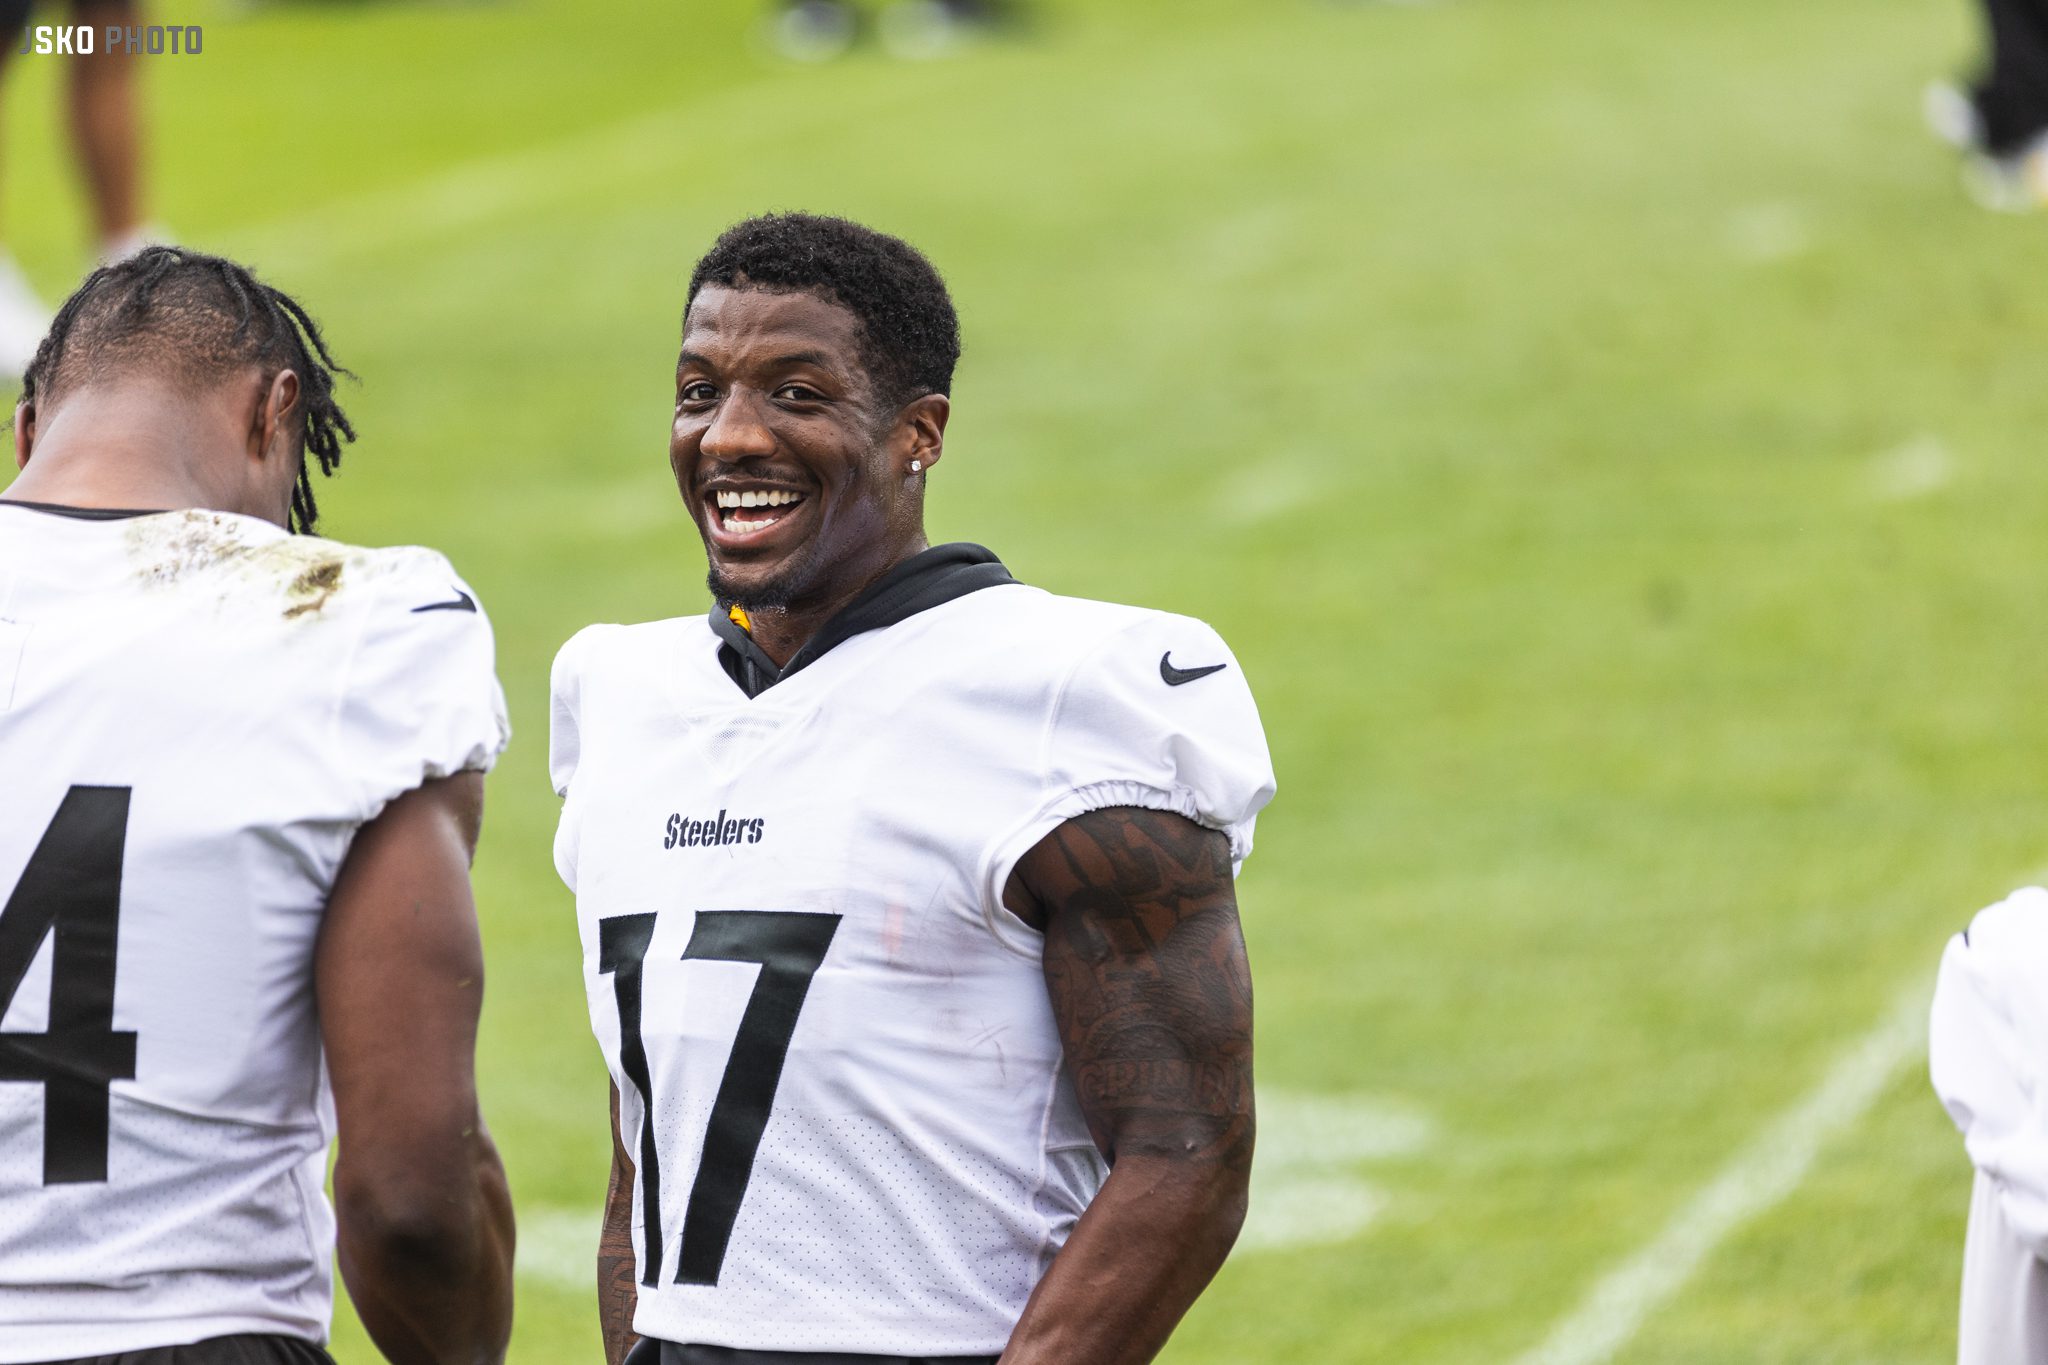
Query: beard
(788, 588)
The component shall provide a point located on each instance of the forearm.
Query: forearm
(1145, 966)
(1148, 1245)
(424, 1217)
(429, 1262)
(618, 1288)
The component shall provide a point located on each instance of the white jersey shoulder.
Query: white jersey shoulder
(1114, 685)
(1988, 1052)
(1988, 1057)
(890, 1168)
(197, 711)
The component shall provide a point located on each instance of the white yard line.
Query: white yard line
(1921, 466)
(1760, 1176)
(463, 198)
(649, 152)
(1305, 1191)
(559, 1246)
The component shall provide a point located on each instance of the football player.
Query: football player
(905, 889)
(105, 122)
(243, 781)
(1988, 1052)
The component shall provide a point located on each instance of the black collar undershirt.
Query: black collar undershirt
(79, 513)
(919, 583)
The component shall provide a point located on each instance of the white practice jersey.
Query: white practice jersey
(838, 1067)
(1988, 1054)
(197, 711)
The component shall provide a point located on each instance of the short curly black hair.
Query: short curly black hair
(195, 319)
(910, 333)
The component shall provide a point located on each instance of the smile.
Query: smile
(743, 513)
(732, 500)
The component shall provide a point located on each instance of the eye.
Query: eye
(696, 391)
(799, 393)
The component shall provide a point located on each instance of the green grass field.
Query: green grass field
(1603, 429)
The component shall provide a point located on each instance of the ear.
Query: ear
(921, 431)
(24, 433)
(273, 415)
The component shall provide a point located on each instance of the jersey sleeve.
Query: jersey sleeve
(565, 740)
(1988, 1053)
(1158, 716)
(565, 701)
(422, 698)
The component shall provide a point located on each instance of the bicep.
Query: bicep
(399, 967)
(1145, 964)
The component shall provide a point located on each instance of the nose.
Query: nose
(737, 431)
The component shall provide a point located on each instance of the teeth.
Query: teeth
(740, 528)
(757, 498)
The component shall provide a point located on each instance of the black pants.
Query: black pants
(668, 1353)
(220, 1351)
(2012, 94)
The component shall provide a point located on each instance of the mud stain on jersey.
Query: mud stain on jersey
(207, 551)
(310, 591)
(167, 550)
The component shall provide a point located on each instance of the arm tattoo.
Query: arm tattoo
(618, 1291)
(1146, 966)
(618, 1287)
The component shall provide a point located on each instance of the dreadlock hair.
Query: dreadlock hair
(910, 335)
(196, 319)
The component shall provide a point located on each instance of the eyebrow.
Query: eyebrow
(815, 359)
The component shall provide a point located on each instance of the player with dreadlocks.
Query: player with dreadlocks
(169, 294)
(244, 780)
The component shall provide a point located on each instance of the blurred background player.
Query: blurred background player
(819, 30)
(2000, 123)
(1988, 1055)
(244, 782)
(105, 124)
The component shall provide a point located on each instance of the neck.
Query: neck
(782, 631)
(137, 449)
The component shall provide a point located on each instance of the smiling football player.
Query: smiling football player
(906, 890)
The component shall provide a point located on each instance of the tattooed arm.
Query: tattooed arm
(1146, 967)
(618, 1291)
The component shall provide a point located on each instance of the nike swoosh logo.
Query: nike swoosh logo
(463, 602)
(1175, 677)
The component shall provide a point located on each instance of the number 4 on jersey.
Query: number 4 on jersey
(71, 890)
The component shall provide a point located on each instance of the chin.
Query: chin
(752, 594)
(789, 582)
